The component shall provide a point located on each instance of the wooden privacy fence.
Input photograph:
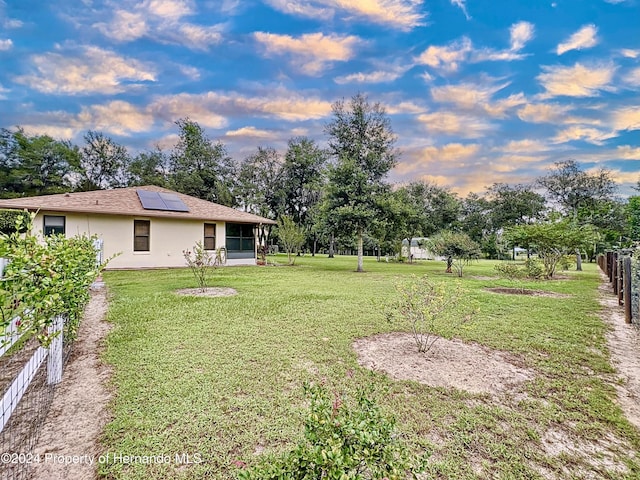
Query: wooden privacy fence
(623, 271)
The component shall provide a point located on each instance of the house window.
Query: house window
(240, 240)
(141, 235)
(209, 236)
(54, 225)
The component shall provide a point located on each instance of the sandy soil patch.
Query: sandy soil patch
(623, 341)
(207, 292)
(79, 409)
(524, 291)
(449, 363)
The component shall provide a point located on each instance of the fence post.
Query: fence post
(610, 266)
(614, 272)
(626, 285)
(54, 362)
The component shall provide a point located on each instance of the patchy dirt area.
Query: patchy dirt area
(79, 409)
(208, 292)
(524, 291)
(449, 363)
(623, 340)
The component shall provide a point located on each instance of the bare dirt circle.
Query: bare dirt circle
(524, 291)
(449, 363)
(208, 292)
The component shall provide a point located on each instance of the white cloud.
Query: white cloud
(543, 112)
(452, 123)
(170, 9)
(633, 77)
(447, 58)
(163, 21)
(627, 118)
(576, 81)
(586, 37)
(86, 71)
(521, 33)
(252, 132)
(378, 76)
(125, 26)
(6, 44)
(310, 53)
(117, 117)
(587, 134)
(280, 103)
(630, 53)
(461, 4)
(399, 14)
(465, 95)
(627, 152)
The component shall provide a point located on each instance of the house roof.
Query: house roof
(125, 201)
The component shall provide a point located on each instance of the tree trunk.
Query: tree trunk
(578, 260)
(315, 245)
(331, 246)
(360, 251)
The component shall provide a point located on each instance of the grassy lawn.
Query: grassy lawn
(222, 377)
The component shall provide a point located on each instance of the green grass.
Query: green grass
(222, 377)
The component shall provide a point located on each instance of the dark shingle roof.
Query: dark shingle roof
(125, 201)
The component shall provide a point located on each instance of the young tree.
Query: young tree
(200, 167)
(362, 143)
(457, 247)
(552, 240)
(291, 235)
(103, 163)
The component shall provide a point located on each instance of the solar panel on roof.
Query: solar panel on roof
(173, 202)
(161, 201)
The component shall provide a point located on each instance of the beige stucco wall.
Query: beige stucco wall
(168, 238)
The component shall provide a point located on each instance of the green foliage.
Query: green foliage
(9, 220)
(45, 278)
(291, 236)
(341, 442)
(534, 269)
(552, 240)
(361, 140)
(200, 167)
(201, 262)
(531, 269)
(633, 218)
(457, 246)
(429, 310)
(103, 163)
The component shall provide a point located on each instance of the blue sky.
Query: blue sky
(477, 91)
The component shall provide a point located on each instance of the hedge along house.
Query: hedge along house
(147, 227)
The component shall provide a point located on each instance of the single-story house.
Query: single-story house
(148, 226)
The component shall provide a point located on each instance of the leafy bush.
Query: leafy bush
(292, 237)
(457, 247)
(8, 219)
(201, 262)
(566, 261)
(341, 442)
(429, 310)
(45, 278)
(534, 269)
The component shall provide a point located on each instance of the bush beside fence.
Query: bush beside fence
(44, 287)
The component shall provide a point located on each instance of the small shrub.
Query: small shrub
(341, 442)
(201, 262)
(429, 310)
(534, 269)
(510, 271)
(566, 261)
